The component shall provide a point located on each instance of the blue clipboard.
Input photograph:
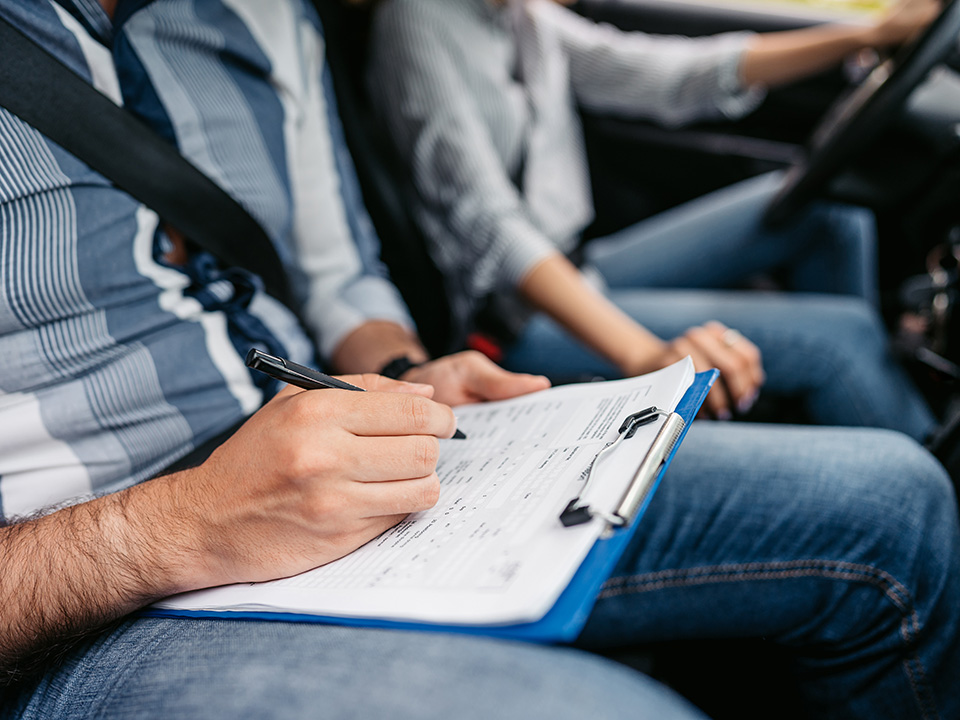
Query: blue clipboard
(565, 620)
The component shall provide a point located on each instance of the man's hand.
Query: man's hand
(469, 376)
(373, 344)
(714, 345)
(309, 478)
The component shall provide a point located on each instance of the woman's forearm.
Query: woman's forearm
(772, 59)
(776, 58)
(557, 288)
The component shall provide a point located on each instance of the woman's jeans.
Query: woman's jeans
(840, 544)
(824, 345)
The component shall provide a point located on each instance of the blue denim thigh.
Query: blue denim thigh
(719, 241)
(224, 670)
(829, 351)
(841, 544)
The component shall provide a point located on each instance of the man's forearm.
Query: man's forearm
(299, 485)
(374, 344)
(75, 571)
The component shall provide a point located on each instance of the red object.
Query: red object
(486, 345)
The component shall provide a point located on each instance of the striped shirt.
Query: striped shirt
(481, 101)
(113, 363)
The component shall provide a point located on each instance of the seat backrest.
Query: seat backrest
(387, 190)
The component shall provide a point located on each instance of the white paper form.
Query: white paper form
(492, 551)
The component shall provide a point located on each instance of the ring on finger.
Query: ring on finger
(731, 337)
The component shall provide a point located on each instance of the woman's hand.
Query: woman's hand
(714, 345)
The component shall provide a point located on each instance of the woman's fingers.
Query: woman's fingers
(737, 359)
(745, 360)
(719, 402)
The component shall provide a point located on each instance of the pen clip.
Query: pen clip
(293, 373)
(276, 367)
(576, 513)
(259, 360)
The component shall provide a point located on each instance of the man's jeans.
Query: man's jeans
(841, 544)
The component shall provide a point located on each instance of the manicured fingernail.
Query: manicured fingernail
(724, 415)
(747, 402)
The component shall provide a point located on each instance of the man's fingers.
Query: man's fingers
(400, 497)
(343, 509)
(384, 459)
(374, 414)
(472, 377)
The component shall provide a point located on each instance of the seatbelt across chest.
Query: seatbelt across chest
(44, 93)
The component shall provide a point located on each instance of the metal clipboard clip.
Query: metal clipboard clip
(576, 514)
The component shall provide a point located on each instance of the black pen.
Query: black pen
(301, 376)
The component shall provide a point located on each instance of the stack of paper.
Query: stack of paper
(492, 551)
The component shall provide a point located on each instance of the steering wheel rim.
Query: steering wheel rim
(856, 119)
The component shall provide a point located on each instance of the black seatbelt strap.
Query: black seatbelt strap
(44, 93)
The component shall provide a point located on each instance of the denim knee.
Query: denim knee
(855, 327)
(847, 225)
(908, 515)
(839, 333)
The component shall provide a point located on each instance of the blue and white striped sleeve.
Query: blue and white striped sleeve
(242, 87)
(94, 330)
(672, 80)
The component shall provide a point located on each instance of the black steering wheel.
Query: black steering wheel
(856, 119)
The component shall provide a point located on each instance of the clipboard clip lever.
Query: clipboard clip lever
(631, 423)
(576, 513)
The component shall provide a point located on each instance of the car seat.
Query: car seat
(387, 189)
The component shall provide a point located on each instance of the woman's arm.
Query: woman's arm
(675, 80)
(668, 79)
(777, 58)
(437, 127)
(557, 288)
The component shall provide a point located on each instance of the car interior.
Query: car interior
(880, 132)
